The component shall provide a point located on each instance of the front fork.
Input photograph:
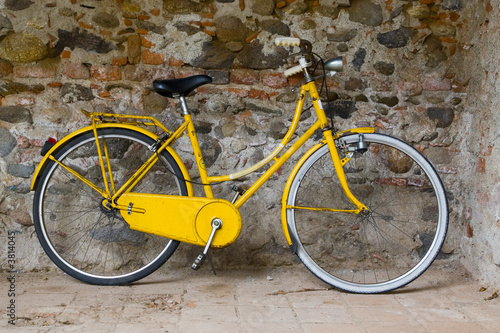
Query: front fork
(338, 164)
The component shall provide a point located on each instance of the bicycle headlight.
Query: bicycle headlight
(335, 64)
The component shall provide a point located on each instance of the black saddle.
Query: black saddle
(180, 87)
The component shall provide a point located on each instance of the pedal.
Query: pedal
(216, 225)
(198, 261)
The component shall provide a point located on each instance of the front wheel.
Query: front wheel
(376, 251)
(78, 232)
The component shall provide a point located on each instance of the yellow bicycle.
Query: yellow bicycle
(365, 212)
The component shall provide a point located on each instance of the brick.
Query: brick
(489, 7)
(5, 68)
(152, 58)
(244, 76)
(252, 37)
(134, 49)
(209, 32)
(132, 73)
(469, 230)
(408, 86)
(448, 39)
(175, 62)
(23, 142)
(85, 25)
(37, 142)
(75, 70)
(146, 43)
(281, 4)
(274, 80)
(41, 70)
(142, 31)
(208, 89)
(161, 73)
(54, 84)
(65, 54)
(155, 11)
(128, 22)
(454, 17)
(294, 79)
(238, 92)
(208, 24)
(104, 94)
(105, 73)
(185, 72)
(481, 165)
(420, 148)
(452, 49)
(435, 85)
(119, 61)
(257, 94)
(196, 23)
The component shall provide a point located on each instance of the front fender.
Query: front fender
(293, 242)
(84, 130)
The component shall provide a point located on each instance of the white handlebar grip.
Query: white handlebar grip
(287, 41)
(292, 71)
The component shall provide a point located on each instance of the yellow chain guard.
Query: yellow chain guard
(186, 219)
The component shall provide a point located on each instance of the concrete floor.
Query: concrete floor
(276, 300)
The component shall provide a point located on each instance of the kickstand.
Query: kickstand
(211, 262)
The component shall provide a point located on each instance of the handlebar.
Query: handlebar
(332, 65)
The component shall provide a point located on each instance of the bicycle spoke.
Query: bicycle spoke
(378, 250)
(87, 240)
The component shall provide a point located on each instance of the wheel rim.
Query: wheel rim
(99, 247)
(356, 235)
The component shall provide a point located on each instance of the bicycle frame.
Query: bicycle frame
(112, 195)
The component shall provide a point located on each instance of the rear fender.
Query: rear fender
(84, 130)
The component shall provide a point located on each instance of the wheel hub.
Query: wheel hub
(106, 209)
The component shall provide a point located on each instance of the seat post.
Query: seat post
(184, 107)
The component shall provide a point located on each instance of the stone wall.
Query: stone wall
(408, 75)
(478, 191)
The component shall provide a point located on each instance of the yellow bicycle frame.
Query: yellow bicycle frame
(127, 121)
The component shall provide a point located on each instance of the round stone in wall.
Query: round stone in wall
(230, 29)
(22, 47)
(366, 12)
(18, 4)
(106, 20)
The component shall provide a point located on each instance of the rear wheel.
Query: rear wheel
(384, 249)
(79, 234)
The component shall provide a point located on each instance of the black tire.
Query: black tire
(83, 238)
(390, 246)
